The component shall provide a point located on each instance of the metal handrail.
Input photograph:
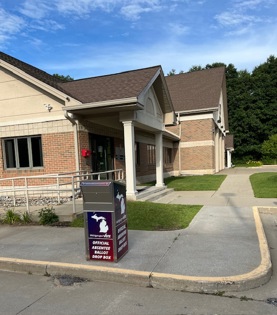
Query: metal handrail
(74, 179)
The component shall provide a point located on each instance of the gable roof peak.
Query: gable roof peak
(115, 74)
(112, 86)
(196, 90)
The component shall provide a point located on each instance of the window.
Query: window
(23, 152)
(167, 155)
(151, 154)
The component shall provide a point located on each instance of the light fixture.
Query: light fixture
(49, 107)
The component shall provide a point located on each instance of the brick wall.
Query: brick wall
(83, 143)
(58, 157)
(197, 130)
(197, 145)
(197, 158)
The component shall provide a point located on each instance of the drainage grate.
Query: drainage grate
(272, 301)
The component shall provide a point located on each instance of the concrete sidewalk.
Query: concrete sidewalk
(224, 248)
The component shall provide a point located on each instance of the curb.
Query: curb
(244, 282)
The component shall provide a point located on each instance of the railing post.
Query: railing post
(26, 194)
(58, 186)
(73, 195)
(14, 200)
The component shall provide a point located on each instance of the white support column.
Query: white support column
(159, 159)
(222, 152)
(216, 149)
(130, 163)
(229, 159)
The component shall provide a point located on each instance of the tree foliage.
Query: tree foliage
(63, 78)
(269, 147)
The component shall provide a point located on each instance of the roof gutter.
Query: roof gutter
(171, 135)
(193, 111)
(71, 119)
(124, 101)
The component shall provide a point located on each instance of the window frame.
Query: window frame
(168, 155)
(151, 154)
(16, 152)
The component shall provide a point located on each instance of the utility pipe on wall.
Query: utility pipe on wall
(76, 142)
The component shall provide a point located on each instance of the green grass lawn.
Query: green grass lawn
(157, 216)
(264, 185)
(150, 216)
(196, 183)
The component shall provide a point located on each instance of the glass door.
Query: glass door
(102, 154)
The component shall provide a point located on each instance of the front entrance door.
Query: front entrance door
(102, 154)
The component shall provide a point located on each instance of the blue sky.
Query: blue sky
(84, 38)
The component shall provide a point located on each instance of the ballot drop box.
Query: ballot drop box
(105, 219)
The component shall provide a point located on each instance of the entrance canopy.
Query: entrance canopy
(127, 101)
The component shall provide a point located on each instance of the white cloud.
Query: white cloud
(10, 25)
(245, 16)
(130, 9)
(36, 9)
(178, 29)
(251, 4)
(233, 19)
(35, 42)
(47, 25)
(134, 11)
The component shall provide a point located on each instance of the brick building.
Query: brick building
(135, 120)
(200, 103)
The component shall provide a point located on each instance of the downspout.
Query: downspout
(76, 142)
(180, 133)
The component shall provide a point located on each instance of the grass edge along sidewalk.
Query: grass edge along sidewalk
(264, 185)
(194, 182)
(150, 216)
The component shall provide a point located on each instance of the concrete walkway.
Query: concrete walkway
(224, 248)
(235, 191)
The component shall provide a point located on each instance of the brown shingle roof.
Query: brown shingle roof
(111, 87)
(196, 90)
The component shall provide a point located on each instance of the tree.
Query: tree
(63, 78)
(171, 72)
(195, 68)
(269, 148)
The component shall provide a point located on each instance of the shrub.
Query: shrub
(269, 148)
(26, 217)
(254, 163)
(11, 217)
(47, 216)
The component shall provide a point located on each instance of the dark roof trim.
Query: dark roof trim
(197, 111)
(33, 72)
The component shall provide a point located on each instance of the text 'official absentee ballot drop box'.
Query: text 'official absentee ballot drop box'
(105, 219)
